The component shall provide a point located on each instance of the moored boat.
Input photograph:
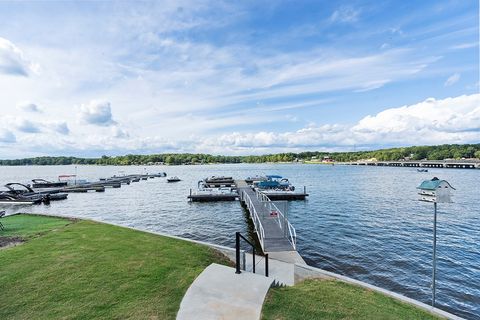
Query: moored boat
(159, 175)
(45, 184)
(72, 180)
(26, 191)
(8, 198)
(174, 179)
(274, 182)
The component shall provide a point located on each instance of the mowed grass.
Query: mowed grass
(86, 270)
(330, 299)
(27, 226)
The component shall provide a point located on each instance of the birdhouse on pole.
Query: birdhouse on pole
(435, 190)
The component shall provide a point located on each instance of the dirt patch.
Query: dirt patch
(6, 242)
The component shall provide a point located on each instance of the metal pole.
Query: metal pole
(244, 261)
(237, 253)
(266, 264)
(434, 251)
(253, 259)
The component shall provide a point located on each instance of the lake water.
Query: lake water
(362, 222)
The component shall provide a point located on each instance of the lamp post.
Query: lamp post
(436, 191)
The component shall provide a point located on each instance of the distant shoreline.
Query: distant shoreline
(423, 164)
(453, 152)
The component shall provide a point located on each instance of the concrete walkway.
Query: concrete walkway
(219, 293)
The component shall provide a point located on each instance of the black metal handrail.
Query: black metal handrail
(238, 235)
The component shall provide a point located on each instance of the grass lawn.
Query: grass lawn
(330, 299)
(85, 270)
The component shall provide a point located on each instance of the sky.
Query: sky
(92, 78)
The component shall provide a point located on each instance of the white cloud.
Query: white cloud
(27, 126)
(430, 121)
(29, 107)
(450, 120)
(465, 46)
(97, 112)
(452, 80)
(13, 61)
(433, 121)
(59, 127)
(345, 15)
(119, 132)
(6, 136)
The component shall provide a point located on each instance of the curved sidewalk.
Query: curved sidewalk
(219, 293)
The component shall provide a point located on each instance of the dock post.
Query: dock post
(304, 189)
(237, 253)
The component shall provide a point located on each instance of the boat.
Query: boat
(45, 184)
(173, 179)
(217, 180)
(71, 180)
(25, 191)
(251, 180)
(207, 194)
(8, 198)
(159, 175)
(218, 191)
(274, 182)
(422, 170)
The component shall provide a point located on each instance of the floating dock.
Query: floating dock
(80, 189)
(277, 196)
(212, 197)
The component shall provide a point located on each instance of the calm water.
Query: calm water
(363, 222)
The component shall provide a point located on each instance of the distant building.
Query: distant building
(327, 159)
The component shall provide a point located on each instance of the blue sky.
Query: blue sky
(92, 78)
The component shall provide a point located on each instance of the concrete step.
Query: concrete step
(281, 272)
(219, 293)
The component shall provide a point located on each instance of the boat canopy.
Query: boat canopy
(274, 177)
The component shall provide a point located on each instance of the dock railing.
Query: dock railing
(255, 218)
(288, 230)
(239, 236)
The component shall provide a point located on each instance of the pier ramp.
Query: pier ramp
(275, 233)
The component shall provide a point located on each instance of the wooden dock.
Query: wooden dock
(275, 233)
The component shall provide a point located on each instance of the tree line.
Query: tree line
(440, 152)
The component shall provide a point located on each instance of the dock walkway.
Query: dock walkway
(274, 231)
